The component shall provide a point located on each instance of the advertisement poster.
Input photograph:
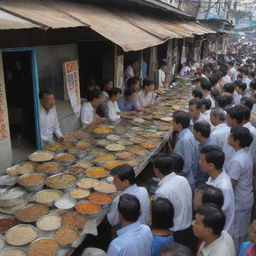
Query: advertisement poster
(72, 85)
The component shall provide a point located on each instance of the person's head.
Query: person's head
(162, 213)
(148, 85)
(224, 100)
(230, 88)
(47, 99)
(240, 88)
(197, 93)
(200, 81)
(177, 163)
(240, 137)
(247, 101)
(209, 222)
(201, 131)
(123, 176)
(181, 120)
(175, 249)
(230, 64)
(207, 194)
(239, 77)
(237, 115)
(224, 70)
(94, 97)
(128, 208)
(162, 65)
(195, 108)
(130, 94)
(207, 72)
(114, 94)
(214, 93)
(162, 165)
(206, 86)
(242, 72)
(252, 232)
(251, 75)
(108, 85)
(253, 85)
(134, 83)
(135, 64)
(211, 158)
(206, 104)
(214, 79)
(217, 116)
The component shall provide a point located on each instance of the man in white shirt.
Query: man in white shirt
(177, 190)
(211, 161)
(195, 111)
(240, 171)
(220, 133)
(124, 180)
(134, 238)
(208, 226)
(49, 124)
(206, 87)
(89, 118)
(161, 74)
(232, 71)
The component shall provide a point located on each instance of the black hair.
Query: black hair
(224, 70)
(93, 94)
(163, 163)
(206, 85)
(214, 217)
(215, 93)
(248, 102)
(147, 82)
(207, 69)
(243, 135)
(201, 80)
(204, 128)
(131, 81)
(182, 117)
(214, 79)
(207, 103)
(242, 86)
(231, 63)
(114, 91)
(177, 163)
(162, 212)
(124, 172)
(214, 155)
(237, 82)
(106, 81)
(224, 100)
(239, 76)
(162, 63)
(219, 113)
(129, 92)
(251, 74)
(229, 88)
(197, 93)
(253, 84)
(42, 92)
(195, 102)
(129, 207)
(240, 113)
(176, 249)
(211, 194)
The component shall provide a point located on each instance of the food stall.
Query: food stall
(49, 203)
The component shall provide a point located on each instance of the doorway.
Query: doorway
(17, 68)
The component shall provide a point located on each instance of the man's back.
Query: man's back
(133, 240)
(176, 189)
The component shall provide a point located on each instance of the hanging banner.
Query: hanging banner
(72, 85)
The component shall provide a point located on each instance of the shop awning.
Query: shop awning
(131, 31)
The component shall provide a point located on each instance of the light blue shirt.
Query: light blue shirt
(187, 146)
(126, 106)
(158, 241)
(142, 195)
(244, 248)
(133, 240)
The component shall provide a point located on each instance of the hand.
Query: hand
(61, 139)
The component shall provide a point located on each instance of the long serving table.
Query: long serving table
(168, 101)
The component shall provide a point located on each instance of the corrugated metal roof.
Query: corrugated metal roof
(8, 21)
(204, 28)
(150, 24)
(40, 13)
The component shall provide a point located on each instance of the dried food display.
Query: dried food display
(96, 172)
(49, 167)
(100, 198)
(41, 156)
(61, 181)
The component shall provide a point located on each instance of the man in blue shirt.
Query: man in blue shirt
(201, 131)
(186, 145)
(134, 239)
(127, 102)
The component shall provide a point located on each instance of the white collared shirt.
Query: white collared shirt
(201, 118)
(252, 147)
(161, 77)
(177, 190)
(144, 100)
(223, 246)
(88, 113)
(133, 240)
(209, 97)
(223, 182)
(113, 109)
(49, 124)
(142, 195)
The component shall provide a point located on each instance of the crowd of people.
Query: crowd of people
(205, 197)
